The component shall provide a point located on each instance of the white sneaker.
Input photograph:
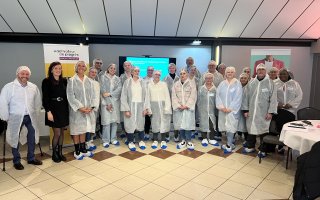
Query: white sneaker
(132, 146)
(181, 145)
(106, 144)
(78, 157)
(116, 142)
(163, 145)
(88, 154)
(248, 150)
(90, 145)
(190, 146)
(214, 142)
(205, 142)
(142, 145)
(154, 145)
(227, 149)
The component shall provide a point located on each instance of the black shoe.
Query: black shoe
(35, 162)
(61, 156)
(18, 166)
(55, 155)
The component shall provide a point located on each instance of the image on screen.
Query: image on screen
(143, 63)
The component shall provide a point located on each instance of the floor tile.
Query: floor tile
(219, 152)
(96, 168)
(130, 183)
(246, 179)
(102, 155)
(220, 196)
(64, 193)
(9, 186)
(208, 180)
(253, 154)
(231, 164)
(131, 167)
(130, 197)
(209, 158)
(148, 160)
(149, 174)
(221, 171)
(276, 188)
(73, 177)
(235, 189)
(84, 198)
(115, 161)
(199, 165)
(194, 191)
(256, 170)
(33, 178)
(191, 154)
(151, 191)
(179, 159)
(132, 155)
(45, 187)
(163, 154)
(4, 177)
(244, 159)
(175, 196)
(112, 175)
(265, 162)
(165, 166)
(259, 194)
(69, 156)
(185, 172)
(23, 193)
(109, 192)
(82, 163)
(170, 182)
(89, 185)
(28, 169)
(61, 168)
(285, 178)
(118, 150)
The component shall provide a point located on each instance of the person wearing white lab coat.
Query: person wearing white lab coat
(170, 79)
(111, 87)
(228, 102)
(20, 104)
(184, 98)
(190, 63)
(160, 108)
(92, 75)
(135, 106)
(274, 75)
(206, 102)
(81, 94)
(217, 77)
(242, 127)
(127, 66)
(259, 104)
(147, 122)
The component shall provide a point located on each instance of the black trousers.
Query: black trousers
(147, 124)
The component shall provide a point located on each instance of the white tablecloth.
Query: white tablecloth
(300, 139)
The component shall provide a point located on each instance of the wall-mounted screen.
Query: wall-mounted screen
(159, 63)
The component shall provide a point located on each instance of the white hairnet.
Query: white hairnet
(23, 68)
(260, 66)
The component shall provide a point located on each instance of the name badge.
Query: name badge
(211, 94)
(265, 90)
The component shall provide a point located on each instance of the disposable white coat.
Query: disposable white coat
(123, 78)
(160, 107)
(217, 78)
(114, 100)
(289, 93)
(136, 121)
(242, 127)
(260, 99)
(81, 94)
(170, 82)
(184, 94)
(229, 95)
(14, 111)
(206, 105)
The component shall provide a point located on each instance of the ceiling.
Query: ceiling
(279, 19)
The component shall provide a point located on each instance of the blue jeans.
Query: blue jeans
(30, 142)
(109, 132)
(185, 135)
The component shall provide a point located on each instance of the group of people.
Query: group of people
(99, 101)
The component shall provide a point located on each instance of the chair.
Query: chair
(308, 113)
(273, 138)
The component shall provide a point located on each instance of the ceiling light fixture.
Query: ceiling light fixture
(196, 42)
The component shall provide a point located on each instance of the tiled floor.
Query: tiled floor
(116, 173)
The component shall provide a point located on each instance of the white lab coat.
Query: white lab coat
(170, 82)
(260, 99)
(290, 93)
(113, 86)
(184, 94)
(242, 127)
(137, 119)
(13, 101)
(217, 78)
(206, 105)
(229, 95)
(82, 94)
(160, 107)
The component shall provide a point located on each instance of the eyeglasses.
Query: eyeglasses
(99, 63)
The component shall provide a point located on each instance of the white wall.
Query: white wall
(110, 53)
(301, 64)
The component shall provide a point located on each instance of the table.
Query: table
(300, 139)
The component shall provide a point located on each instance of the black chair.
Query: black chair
(273, 138)
(308, 113)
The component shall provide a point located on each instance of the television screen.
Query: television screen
(143, 63)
